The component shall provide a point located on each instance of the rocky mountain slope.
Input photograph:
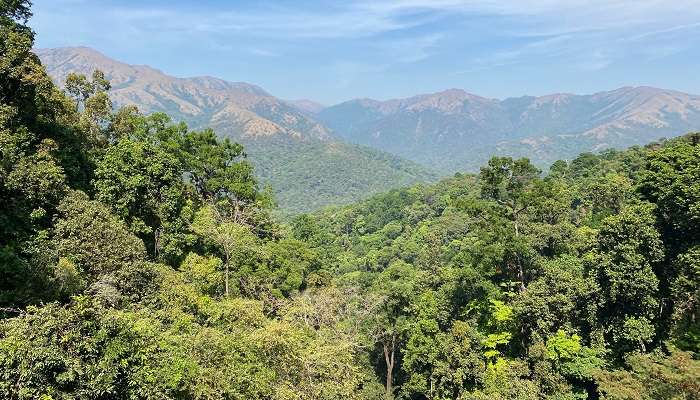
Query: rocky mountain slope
(235, 109)
(447, 131)
(307, 106)
(456, 130)
(306, 166)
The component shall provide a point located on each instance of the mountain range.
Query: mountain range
(315, 155)
(234, 109)
(455, 130)
(304, 163)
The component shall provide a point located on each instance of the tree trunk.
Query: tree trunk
(431, 385)
(155, 242)
(521, 273)
(389, 359)
(228, 260)
(226, 279)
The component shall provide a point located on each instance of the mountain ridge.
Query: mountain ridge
(235, 109)
(306, 165)
(447, 131)
(452, 129)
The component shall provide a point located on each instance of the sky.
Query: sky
(332, 51)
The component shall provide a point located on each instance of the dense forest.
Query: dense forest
(140, 259)
(305, 175)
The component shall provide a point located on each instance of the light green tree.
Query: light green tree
(230, 238)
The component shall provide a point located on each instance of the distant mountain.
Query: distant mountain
(305, 164)
(455, 130)
(234, 109)
(446, 131)
(308, 106)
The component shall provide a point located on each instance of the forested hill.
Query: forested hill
(302, 149)
(304, 163)
(582, 284)
(139, 260)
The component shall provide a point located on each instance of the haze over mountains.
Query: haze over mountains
(455, 130)
(301, 147)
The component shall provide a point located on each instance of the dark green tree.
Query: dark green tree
(671, 182)
(628, 249)
(508, 182)
(144, 186)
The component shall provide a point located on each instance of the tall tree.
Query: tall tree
(41, 154)
(507, 182)
(396, 286)
(143, 185)
(217, 169)
(229, 237)
(628, 249)
(670, 180)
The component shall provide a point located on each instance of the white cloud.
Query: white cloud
(407, 31)
(355, 19)
(412, 49)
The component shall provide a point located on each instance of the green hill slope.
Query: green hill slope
(307, 175)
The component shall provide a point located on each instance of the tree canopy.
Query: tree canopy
(140, 259)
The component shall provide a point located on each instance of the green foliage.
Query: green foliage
(138, 259)
(629, 247)
(81, 351)
(670, 181)
(506, 379)
(561, 297)
(562, 346)
(685, 291)
(128, 354)
(306, 175)
(93, 239)
(504, 180)
(215, 168)
(498, 322)
(15, 9)
(561, 277)
(143, 185)
(653, 376)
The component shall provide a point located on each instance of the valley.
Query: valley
(169, 238)
(309, 153)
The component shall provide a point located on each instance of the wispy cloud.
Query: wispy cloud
(591, 34)
(412, 49)
(371, 17)
(551, 46)
(262, 52)
(346, 73)
(352, 38)
(270, 22)
(673, 30)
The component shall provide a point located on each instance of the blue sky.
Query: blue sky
(333, 51)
